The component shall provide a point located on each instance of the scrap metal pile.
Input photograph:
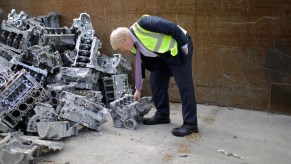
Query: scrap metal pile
(53, 79)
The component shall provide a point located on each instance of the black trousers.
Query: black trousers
(161, 71)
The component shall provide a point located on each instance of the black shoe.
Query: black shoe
(184, 130)
(157, 119)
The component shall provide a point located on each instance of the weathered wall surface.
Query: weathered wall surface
(242, 47)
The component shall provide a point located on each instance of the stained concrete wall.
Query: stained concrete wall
(242, 47)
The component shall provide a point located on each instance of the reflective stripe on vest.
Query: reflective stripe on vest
(156, 42)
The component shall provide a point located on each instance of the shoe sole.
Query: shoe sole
(184, 134)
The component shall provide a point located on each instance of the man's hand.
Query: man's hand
(137, 95)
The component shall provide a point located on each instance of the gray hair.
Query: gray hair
(117, 36)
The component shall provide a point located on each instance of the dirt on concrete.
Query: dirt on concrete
(256, 137)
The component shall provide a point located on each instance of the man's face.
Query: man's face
(126, 45)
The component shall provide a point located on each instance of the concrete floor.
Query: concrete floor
(248, 137)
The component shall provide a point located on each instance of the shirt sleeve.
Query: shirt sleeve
(138, 71)
(160, 25)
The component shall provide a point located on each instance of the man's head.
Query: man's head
(120, 39)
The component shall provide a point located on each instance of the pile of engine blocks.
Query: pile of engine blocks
(54, 80)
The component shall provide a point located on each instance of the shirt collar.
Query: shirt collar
(135, 40)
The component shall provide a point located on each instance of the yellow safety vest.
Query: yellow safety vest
(156, 42)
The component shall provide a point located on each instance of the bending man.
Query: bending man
(165, 49)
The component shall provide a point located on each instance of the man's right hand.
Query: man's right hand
(137, 95)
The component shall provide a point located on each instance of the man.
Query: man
(165, 49)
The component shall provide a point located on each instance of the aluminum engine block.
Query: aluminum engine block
(126, 112)
(19, 97)
(77, 109)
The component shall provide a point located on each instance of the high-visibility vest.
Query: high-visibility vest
(156, 42)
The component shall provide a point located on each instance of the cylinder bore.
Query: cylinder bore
(53, 93)
(16, 113)
(29, 100)
(54, 102)
(35, 93)
(22, 107)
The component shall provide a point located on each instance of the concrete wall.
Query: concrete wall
(242, 47)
